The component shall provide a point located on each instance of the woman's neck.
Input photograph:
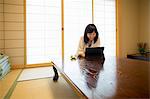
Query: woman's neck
(89, 43)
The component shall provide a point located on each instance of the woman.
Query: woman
(90, 39)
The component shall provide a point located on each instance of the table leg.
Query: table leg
(55, 78)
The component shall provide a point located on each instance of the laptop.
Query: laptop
(94, 52)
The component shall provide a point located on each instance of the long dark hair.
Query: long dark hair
(89, 29)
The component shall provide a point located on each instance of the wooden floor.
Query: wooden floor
(43, 88)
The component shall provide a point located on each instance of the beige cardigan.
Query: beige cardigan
(82, 46)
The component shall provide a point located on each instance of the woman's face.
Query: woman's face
(91, 36)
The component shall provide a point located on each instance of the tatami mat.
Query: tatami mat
(7, 82)
(36, 73)
(43, 89)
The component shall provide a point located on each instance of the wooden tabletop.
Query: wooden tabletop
(114, 79)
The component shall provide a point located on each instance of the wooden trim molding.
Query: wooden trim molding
(25, 52)
(22, 66)
(118, 26)
(62, 23)
(93, 11)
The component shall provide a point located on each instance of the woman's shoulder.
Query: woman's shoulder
(81, 38)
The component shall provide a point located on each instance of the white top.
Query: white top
(82, 46)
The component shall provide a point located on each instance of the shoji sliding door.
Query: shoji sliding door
(77, 15)
(105, 20)
(43, 30)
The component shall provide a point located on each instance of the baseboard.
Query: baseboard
(21, 66)
(17, 66)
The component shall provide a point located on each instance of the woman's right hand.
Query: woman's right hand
(81, 55)
(72, 57)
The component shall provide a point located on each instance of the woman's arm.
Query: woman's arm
(80, 50)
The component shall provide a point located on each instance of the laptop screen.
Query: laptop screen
(95, 51)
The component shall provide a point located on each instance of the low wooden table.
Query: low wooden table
(113, 78)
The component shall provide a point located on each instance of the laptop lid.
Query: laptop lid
(95, 51)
